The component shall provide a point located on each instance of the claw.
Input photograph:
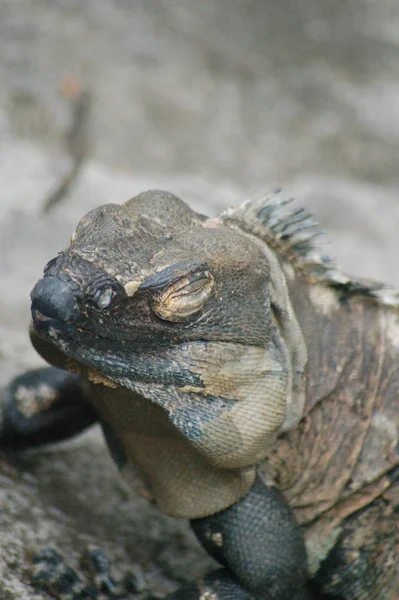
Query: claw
(59, 580)
(50, 573)
(97, 563)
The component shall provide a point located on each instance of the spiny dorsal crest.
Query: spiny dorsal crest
(295, 236)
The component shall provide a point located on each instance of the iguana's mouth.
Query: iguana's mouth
(136, 363)
(52, 328)
(44, 325)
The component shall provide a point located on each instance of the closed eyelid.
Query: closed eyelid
(172, 273)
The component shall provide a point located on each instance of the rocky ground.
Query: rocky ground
(214, 100)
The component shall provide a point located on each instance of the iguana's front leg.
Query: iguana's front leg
(39, 407)
(260, 545)
(43, 406)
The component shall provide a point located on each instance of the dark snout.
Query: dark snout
(55, 298)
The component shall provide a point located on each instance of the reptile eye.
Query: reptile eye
(183, 297)
(103, 297)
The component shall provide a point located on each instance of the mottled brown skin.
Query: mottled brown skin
(337, 468)
(225, 358)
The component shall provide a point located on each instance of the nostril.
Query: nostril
(55, 298)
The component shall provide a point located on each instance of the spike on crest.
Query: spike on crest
(294, 235)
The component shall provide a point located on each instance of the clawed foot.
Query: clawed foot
(53, 575)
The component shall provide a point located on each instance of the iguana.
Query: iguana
(250, 385)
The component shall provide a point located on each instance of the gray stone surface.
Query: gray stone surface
(214, 100)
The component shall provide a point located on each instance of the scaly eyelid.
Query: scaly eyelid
(172, 273)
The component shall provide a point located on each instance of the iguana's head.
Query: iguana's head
(150, 293)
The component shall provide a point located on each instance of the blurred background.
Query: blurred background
(216, 101)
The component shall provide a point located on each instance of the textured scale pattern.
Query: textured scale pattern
(242, 381)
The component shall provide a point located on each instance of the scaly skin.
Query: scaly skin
(227, 360)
